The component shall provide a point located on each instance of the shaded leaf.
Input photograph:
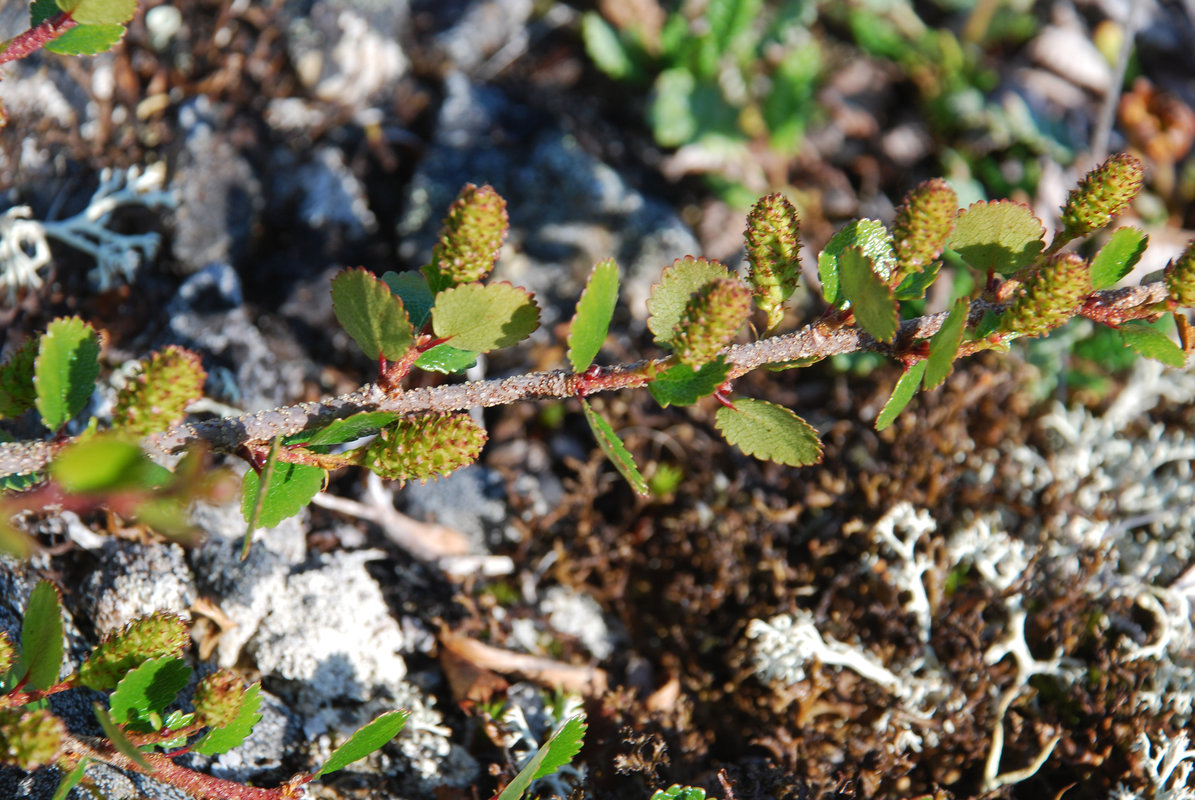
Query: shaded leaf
(351, 428)
(71, 780)
(769, 432)
(148, 689)
(17, 392)
(1148, 341)
(906, 387)
(1117, 257)
(365, 740)
(680, 385)
(944, 346)
(591, 322)
(670, 296)
(221, 740)
(870, 296)
(372, 314)
(416, 295)
(559, 750)
(614, 449)
(998, 235)
(446, 359)
(868, 235)
(65, 370)
(484, 318)
(118, 738)
(41, 637)
(914, 286)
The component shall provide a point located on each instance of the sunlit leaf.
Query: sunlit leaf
(595, 309)
(614, 449)
(679, 385)
(148, 689)
(221, 740)
(99, 12)
(867, 235)
(372, 314)
(484, 318)
(998, 235)
(290, 490)
(870, 296)
(118, 738)
(446, 359)
(906, 387)
(1117, 257)
(944, 346)
(769, 432)
(41, 637)
(365, 740)
(65, 370)
(1148, 341)
(670, 296)
(559, 750)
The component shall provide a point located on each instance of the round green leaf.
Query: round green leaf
(671, 295)
(484, 318)
(148, 689)
(65, 370)
(371, 314)
(769, 432)
(365, 740)
(999, 235)
(446, 359)
(595, 309)
(87, 40)
(679, 385)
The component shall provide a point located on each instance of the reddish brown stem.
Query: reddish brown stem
(37, 37)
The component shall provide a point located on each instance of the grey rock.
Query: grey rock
(324, 191)
(134, 580)
(243, 367)
(471, 500)
(347, 51)
(244, 590)
(478, 37)
(567, 208)
(220, 198)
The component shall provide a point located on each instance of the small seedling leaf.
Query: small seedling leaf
(868, 235)
(614, 449)
(906, 387)
(365, 740)
(998, 235)
(148, 689)
(290, 489)
(484, 318)
(417, 297)
(446, 359)
(1117, 257)
(106, 463)
(559, 750)
(870, 296)
(87, 40)
(41, 637)
(99, 12)
(670, 296)
(769, 432)
(372, 314)
(944, 346)
(65, 370)
(605, 47)
(221, 740)
(118, 738)
(71, 780)
(679, 385)
(352, 428)
(1148, 341)
(678, 792)
(595, 309)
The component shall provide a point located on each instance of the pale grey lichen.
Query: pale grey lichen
(24, 246)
